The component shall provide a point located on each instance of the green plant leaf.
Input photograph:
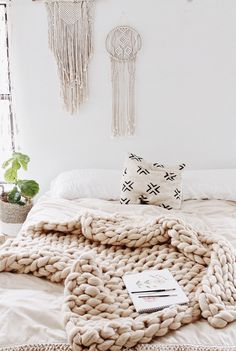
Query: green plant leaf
(7, 163)
(10, 175)
(16, 165)
(18, 157)
(13, 164)
(14, 196)
(28, 188)
(22, 159)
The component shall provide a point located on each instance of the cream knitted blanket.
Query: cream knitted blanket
(90, 254)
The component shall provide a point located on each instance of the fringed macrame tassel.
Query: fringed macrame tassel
(123, 43)
(123, 78)
(70, 38)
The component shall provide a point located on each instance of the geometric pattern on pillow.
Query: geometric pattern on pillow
(151, 183)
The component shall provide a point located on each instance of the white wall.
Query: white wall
(186, 88)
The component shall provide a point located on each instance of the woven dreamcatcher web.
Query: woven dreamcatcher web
(123, 44)
(70, 29)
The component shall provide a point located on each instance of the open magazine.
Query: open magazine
(153, 290)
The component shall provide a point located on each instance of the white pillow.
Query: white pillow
(105, 184)
(219, 184)
(87, 183)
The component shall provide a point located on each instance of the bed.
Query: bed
(30, 307)
(31, 316)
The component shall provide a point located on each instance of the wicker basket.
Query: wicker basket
(13, 213)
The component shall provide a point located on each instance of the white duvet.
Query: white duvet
(30, 307)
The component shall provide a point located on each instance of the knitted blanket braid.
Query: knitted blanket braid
(90, 254)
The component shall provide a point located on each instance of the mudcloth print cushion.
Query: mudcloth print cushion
(151, 183)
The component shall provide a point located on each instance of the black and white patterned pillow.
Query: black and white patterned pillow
(151, 183)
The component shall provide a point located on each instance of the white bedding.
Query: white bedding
(30, 307)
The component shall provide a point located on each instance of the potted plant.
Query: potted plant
(17, 202)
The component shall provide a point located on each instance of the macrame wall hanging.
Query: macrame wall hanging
(70, 28)
(123, 44)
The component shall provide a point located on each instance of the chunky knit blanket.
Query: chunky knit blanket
(90, 254)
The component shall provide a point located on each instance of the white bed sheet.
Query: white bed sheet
(30, 308)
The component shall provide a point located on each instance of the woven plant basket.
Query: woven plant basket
(13, 213)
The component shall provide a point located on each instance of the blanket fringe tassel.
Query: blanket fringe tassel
(66, 347)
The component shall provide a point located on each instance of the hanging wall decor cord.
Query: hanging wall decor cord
(123, 44)
(70, 30)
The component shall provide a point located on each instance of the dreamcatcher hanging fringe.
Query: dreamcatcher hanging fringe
(70, 29)
(123, 44)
